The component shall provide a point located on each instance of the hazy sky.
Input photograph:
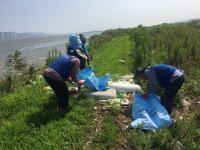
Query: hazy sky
(65, 16)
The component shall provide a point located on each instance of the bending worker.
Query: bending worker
(165, 76)
(60, 70)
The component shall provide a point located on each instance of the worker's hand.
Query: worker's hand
(81, 82)
(73, 90)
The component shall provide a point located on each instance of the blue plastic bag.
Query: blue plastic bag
(149, 113)
(103, 82)
(91, 81)
(84, 73)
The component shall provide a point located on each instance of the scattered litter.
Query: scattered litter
(126, 78)
(103, 100)
(47, 88)
(121, 61)
(120, 93)
(102, 95)
(124, 102)
(125, 86)
(39, 76)
(178, 146)
(106, 107)
(186, 104)
(95, 108)
(74, 89)
(32, 82)
(112, 101)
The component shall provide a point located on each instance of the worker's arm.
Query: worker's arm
(152, 81)
(74, 72)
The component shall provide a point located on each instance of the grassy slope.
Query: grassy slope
(28, 117)
(106, 58)
(29, 120)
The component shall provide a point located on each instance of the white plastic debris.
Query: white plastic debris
(125, 86)
(121, 61)
(112, 101)
(102, 95)
(178, 145)
(124, 102)
(186, 104)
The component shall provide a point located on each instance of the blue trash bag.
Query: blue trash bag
(84, 73)
(149, 113)
(91, 81)
(103, 82)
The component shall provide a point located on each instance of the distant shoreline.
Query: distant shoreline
(33, 49)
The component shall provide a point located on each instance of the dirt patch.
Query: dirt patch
(122, 119)
(188, 105)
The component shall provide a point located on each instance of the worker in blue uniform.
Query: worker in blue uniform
(64, 68)
(165, 76)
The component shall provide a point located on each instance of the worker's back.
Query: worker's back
(164, 73)
(62, 66)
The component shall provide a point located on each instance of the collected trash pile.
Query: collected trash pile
(105, 90)
(147, 113)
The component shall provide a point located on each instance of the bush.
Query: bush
(52, 55)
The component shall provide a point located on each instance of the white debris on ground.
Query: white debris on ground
(120, 93)
(121, 61)
(102, 95)
(125, 86)
(186, 103)
(48, 89)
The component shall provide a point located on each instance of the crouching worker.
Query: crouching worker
(62, 69)
(165, 76)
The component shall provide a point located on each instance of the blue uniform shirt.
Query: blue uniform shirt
(161, 75)
(62, 66)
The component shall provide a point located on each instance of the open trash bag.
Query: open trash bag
(148, 113)
(91, 81)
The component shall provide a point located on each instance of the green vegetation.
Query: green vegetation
(18, 73)
(29, 117)
(29, 120)
(52, 55)
(107, 58)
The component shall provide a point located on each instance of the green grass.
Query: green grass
(106, 58)
(29, 120)
(108, 136)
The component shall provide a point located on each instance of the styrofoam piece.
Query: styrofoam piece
(101, 95)
(125, 86)
(124, 102)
